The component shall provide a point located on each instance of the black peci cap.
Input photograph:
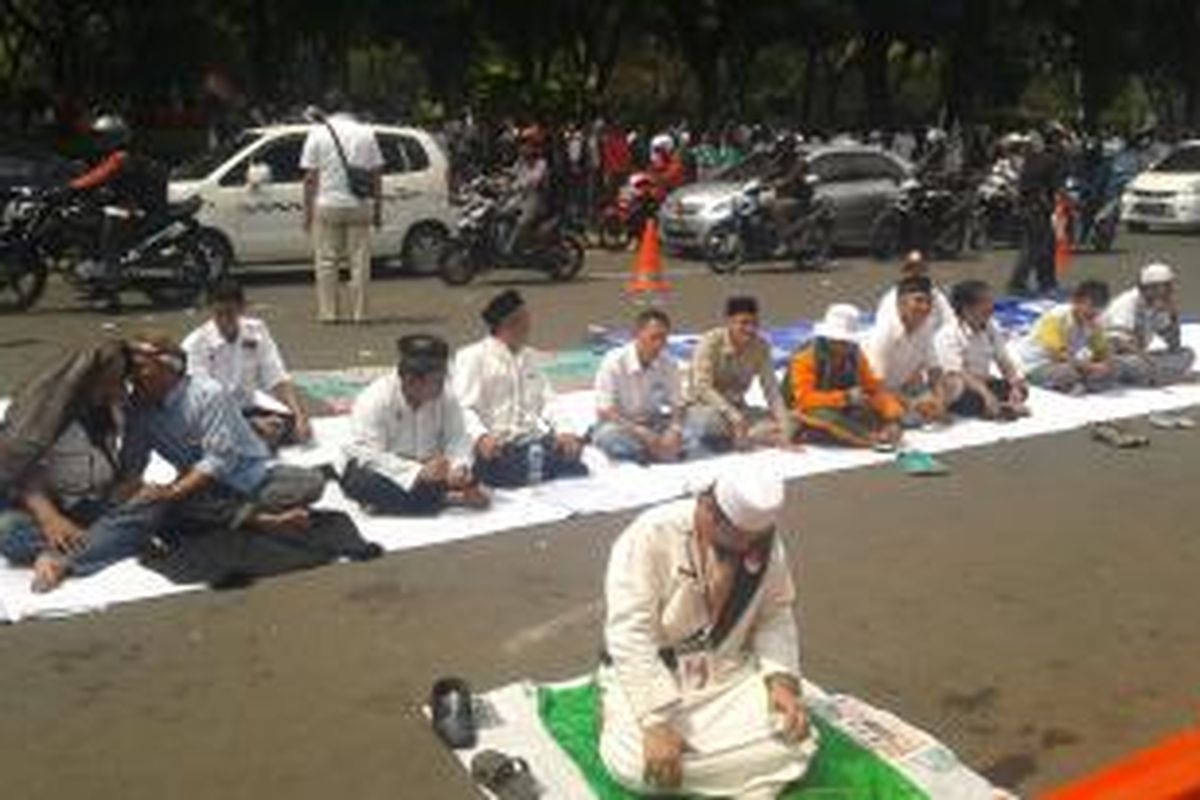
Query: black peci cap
(421, 354)
(502, 307)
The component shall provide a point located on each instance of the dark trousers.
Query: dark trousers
(970, 403)
(379, 494)
(1037, 253)
(510, 469)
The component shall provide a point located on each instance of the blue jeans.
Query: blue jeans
(116, 532)
(618, 443)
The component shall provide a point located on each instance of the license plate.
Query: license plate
(1152, 209)
(676, 230)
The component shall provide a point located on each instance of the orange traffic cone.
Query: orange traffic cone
(648, 273)
(1062, 237)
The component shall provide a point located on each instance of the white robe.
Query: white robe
(716, 697)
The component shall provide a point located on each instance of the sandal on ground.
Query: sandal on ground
(917, 463)
(506, 777)
(1164, 421)
(1115, 436)
(453, 716)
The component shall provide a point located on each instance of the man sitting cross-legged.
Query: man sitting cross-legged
(701, 692)
(505, 397)
(901, 348)
(1140, 315)
(969, 346)
(835, 394)
(409, 450)
(638, 396)
(238, 352)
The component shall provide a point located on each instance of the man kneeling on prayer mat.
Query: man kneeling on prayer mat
(1138, 317)
(238, 352)
(834, 391)
(638, 396)
(701, 689)
(409, 450)
(505, 397)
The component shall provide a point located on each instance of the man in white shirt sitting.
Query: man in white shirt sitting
(505, 398)
(901, 349)
(915, 266)
(409, 451)
(238, 352)
(1138, 317)
(981, 377)
(638, 396)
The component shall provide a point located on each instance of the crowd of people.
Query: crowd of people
(443, 429)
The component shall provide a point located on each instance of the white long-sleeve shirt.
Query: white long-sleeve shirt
(655, 598)
(502, 393)
(395, 440)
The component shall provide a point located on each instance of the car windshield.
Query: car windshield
(203, 164)
(1185, 159)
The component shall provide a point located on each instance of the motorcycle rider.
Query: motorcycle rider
(136, 184)
(666, 167)
(528, 192)
(789, 177)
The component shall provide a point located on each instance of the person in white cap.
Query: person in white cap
(701, 688)
(1140, 315)
(834, 391)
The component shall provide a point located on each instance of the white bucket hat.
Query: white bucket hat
(840, 323)
(1156, 273)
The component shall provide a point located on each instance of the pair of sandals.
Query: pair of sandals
(1114, 435)
(455, 722)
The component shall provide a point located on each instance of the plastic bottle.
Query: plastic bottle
(537, 463)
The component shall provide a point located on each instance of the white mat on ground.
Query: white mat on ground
(610, 488)
(513, 727)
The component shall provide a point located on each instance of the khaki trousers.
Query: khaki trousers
(342, 236)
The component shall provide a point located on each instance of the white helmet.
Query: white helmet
(662, 141)
(1155, 274)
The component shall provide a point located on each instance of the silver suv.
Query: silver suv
(859, 181)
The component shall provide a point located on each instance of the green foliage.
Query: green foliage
(819, 62)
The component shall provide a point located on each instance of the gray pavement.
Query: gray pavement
(1035, 609)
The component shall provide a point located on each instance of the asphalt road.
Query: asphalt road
(1036, 609)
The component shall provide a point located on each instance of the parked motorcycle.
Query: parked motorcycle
(60, 230)
(484, 225)
(934, 219)
(997, 221)
(749, 233)
(623, 221)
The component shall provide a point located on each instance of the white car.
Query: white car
(1167, 195)
(253, 197)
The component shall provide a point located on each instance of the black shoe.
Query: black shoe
(453, 717)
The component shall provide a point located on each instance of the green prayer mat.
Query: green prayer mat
(842, 770)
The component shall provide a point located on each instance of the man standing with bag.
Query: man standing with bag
(342, 199)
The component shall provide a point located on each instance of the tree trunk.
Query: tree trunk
(810, 81)
(875, 78)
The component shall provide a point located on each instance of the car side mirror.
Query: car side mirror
(258, 174)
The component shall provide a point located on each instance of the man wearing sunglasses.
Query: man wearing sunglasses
(701, 689)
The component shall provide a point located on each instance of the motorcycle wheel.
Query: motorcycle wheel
(217, 253)
(614, 234)
(456, 264)
(23, 278)
(189, 271)
(887, 236)
(725, 250)
(815, 247)
(566, 258)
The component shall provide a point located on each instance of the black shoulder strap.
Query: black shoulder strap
(338, 144)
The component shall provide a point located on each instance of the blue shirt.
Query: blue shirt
(198, 426)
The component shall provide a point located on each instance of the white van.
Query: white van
(254, 216)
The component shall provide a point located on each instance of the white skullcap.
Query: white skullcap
(751, 500)
(1156, 273)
